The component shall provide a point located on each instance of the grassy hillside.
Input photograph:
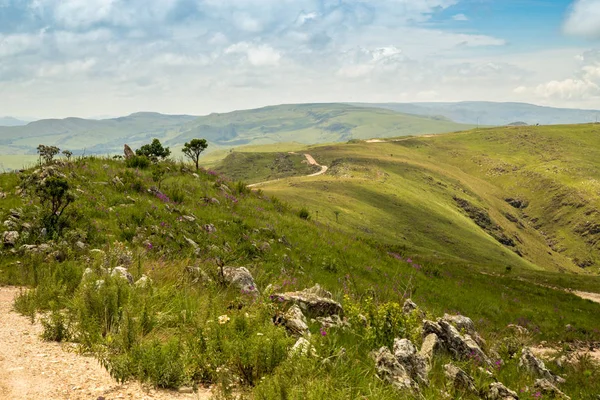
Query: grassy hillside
(524, 197)
(491, 113)
(183, 326)
(318, 123)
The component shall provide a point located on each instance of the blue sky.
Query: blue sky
(113, 57)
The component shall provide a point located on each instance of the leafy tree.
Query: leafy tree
(68, 154)
(194, 148)
(55, 196)
(154, 151)
(47, 152)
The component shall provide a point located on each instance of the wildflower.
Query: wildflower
(223, 319)
(323, 332)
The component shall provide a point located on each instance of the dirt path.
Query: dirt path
(309, 159)
(33, 369)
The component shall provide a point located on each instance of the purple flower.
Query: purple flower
(323, 332)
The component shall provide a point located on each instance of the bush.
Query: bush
(154, 151)
(141, 162)
(304, 214)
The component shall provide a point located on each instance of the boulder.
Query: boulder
(464, 325)
(10, 238)
(314, 302)
(242, 278)
(409, 306)
(500, 392)
(415, 364)
(128, 152)
(143, 283)
(122, 272)
(10, 224)
(302, 347)
(390, 370)
(295, 321)
(549, 390)
(431, 345)
(518, 329)
(332, 321)
(459, 346)
(459, 378)
(534, 365)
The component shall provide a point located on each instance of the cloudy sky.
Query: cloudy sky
(112, 57)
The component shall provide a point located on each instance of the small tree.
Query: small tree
(154, 151)
(158, 174)
(55, 196)
(194, 148)
(47, 152)
(68, 154)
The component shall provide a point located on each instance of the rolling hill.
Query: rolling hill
(491, 113)
(10, 121)
(301, 123)
(519, 197)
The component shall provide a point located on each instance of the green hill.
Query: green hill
(181, 324)
(318, 123)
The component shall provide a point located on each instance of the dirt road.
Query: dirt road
(33, 369)
(309, 159)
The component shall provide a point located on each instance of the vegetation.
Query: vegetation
(47, 153)
(193, 149)
(153, 151)
(180, 324)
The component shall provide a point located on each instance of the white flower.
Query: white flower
(223, 319)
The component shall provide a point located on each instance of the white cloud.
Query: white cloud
(258, 55)
(568, 89)
(584, 19)
(460, 17)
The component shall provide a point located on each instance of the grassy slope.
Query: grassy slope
(169, 329)
(403, 192)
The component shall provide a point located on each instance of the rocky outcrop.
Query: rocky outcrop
(295, 321)
(459, 346)
(549, 390)
(464, 325)
(405, 368)
(314, 302)
(535, 366)
(431, 345)
(409, 306)
(10, 238)
(128, 152)
(459, 378)
(242, 278)
(500, 392)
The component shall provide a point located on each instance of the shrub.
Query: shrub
(54, 195)
(304, 214)
(141, 162)
(47, 152)
(154, 151)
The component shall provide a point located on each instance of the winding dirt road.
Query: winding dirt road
(309, 159)
(33, 369)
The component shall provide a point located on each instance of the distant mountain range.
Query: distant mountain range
(10, 121)
(304, 123)
(490, 113)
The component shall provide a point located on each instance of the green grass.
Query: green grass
(168, 334)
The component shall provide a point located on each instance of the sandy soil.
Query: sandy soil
(33, 369)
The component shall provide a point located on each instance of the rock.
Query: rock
(131, 199)
(10, 224)
(265, 247)
(466, 325)
(128, 152)
(537, 367)
(117, 181)
(197, 275)
(295, 321)
(459, 378)
(185, 389)
(518, 329)
(189, 218)
(10, 238)
(210, 228)
(143, 283)
(241, 278)
(192, 243)
(87, 274)
(415, 364)
(431, 345)
(409, 306)
(29, 248)
(15, 213)
(547, 388)
(195, 175)
(303, 347)
(44, 247)
(2, 195)
(332, 321)
(79, 244)
(122, 272)
(390, 370)
(500, 392)
(459, 346)
(314, 302)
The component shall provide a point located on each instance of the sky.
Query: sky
(91, 58)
